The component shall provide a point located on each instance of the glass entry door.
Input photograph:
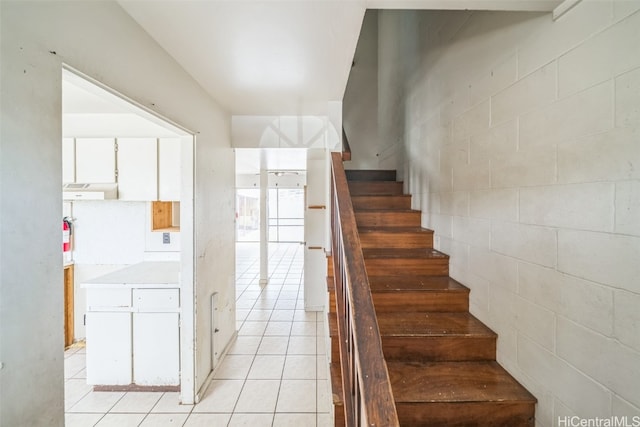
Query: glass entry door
(286, 215)
(285, 219)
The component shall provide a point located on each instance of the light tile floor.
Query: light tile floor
(275, 374)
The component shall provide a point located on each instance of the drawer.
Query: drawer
(156, 299)
(104, 299)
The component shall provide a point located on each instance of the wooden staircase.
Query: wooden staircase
(440, 358)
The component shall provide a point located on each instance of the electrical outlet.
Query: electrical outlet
(166, 238)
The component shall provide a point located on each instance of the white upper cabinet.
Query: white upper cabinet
(169, 169)
(137, 169)
(68, 160)
(95, 160)
(146, 169)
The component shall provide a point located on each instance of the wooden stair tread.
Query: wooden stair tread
(385, 210)
(415, 283)
(415, 253)
(484, 381)
(412, 324)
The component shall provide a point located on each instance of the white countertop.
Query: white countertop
(149, 274)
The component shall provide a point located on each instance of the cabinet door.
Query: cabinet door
(156, 348)
(95, 160)
(137, 169)
(68, 160)
(109, 356)
(169, 169)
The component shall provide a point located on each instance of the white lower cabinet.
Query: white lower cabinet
(109, 348)
(155, 347)
(133, 337)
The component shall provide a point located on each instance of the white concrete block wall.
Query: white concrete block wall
(523, 133)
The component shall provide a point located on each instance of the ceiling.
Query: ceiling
(276, 57)
(89, 110)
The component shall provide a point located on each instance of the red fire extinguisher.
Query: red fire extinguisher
(66, 234)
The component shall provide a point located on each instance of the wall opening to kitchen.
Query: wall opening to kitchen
(127, 215)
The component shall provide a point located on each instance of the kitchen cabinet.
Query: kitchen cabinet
(133, 326)
(109, 349)
(95, 160)
(146, 169)
(169, 169)
(137, 169)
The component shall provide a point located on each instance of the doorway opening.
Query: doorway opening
(119, 161)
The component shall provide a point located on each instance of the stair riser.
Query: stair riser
(388, 219)
(381, 202)
(399, 267)
(439, 349)
(330, 266)
(363, 188)
(396, 240)
(465, 414)
(333, 334)
(332, 303)
(370, 175)
(335, 350)
(389, 302)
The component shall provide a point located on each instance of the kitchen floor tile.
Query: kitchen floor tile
(121, 420)
(74, 391)
(170, 403)
(251, 420)
(258, 396)
(207, 420)
(81, 420)
(273, 345)
(169, 420)
(259, 315)
(302, 345)
(136, 402)
(97, 402)
(245, 345)
(323, 396)
(74, 364)
(285, 304)
(297, 396)
(294, 420)
(325, 420)
(221, 396)
(234, 367)
(278, 329)
(267, 367)
(304, 316)
(282, 316)
(298, 367)
(252, 328)
(322, 367)
(304, 328)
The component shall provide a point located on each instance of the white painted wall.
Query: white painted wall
(112, 234)
(100, 40)
(360, 107)
(520, 145)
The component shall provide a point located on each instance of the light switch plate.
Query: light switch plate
(166, 238)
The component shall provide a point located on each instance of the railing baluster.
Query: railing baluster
(368, 398)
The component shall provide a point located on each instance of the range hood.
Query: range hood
(81, 191)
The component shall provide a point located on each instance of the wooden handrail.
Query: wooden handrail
(346, 148)
(368, 399)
